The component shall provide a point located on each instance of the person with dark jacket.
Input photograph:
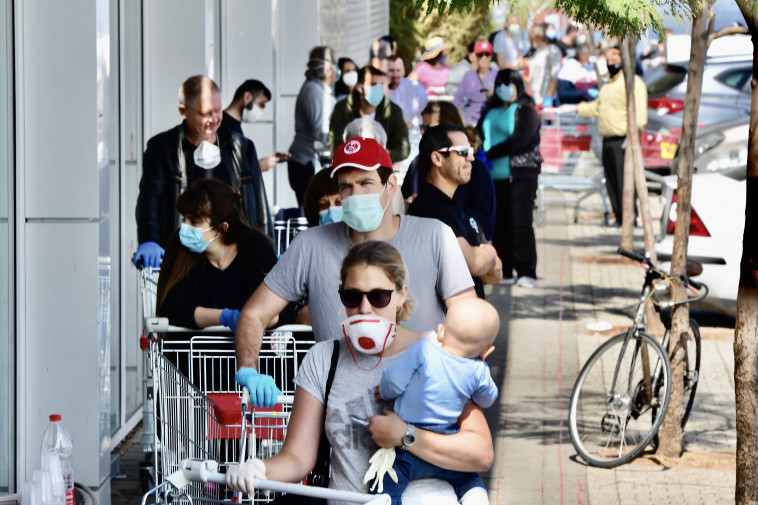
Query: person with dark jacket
(510, 127)
(198, 148)
(370, 97)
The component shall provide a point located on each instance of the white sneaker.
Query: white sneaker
(526, 282)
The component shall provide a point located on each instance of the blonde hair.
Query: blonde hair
(384, 256)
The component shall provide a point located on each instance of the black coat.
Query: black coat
(161, 183)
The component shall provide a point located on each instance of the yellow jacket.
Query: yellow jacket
(610, 106)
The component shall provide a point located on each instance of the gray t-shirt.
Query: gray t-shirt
(311, 266)
(352, 394)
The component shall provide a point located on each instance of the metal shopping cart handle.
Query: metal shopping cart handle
(207, 471)
(281, 399)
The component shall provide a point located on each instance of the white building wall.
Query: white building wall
(63, 218)
(66, 204)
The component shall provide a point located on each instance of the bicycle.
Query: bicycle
(622, 392)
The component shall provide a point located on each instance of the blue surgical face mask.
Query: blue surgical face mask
(550, 34)
(331, 215)
(375, 95)
(505, 92)
(364, 212)
(191, 237)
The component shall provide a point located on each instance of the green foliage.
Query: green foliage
(410, 26)
(617, 17)
(450, 6)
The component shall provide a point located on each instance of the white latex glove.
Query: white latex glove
(381, 464)
(240, 477)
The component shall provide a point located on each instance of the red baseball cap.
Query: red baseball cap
(482, 46)
(359, 152)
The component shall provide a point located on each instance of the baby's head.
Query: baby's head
(470, 328)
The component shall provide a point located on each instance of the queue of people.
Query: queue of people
(421, 259)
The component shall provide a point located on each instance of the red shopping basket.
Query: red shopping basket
(225, 423)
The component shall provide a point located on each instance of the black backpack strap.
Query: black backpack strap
(320, 474)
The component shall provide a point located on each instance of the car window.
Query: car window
(665, 79)
(735, 78)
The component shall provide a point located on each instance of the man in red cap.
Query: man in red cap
(477, 84)
(438, 274)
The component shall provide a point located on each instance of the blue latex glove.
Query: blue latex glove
(229, 318)
(150, 255)
(593, 93)
(263, 390)
(547, 102)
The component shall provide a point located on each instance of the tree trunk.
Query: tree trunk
(671, 430)
(634, 172)
(627, 197)
(746, 331)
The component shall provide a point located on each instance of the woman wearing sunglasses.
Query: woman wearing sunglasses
(510, 127)
(375, 295)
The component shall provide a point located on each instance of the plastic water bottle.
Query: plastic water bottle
(57, 441)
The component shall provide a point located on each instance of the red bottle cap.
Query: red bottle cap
(55, 417)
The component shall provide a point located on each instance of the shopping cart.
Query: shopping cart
(285, 230)
(196, 368)
(201, 476)
(196, 403)
(571, 151)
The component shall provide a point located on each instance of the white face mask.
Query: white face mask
(514, 29)
(350, 79)
(369, 333)
(207, 155)
(253, 114)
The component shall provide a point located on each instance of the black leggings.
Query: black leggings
(514, 226)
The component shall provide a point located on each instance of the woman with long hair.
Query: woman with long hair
(374, 292)
(510, 128)
(213, 262)
(348, 78)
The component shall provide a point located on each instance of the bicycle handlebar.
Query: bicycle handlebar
(686, 280)
(633, 255)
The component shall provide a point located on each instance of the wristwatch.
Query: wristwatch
(409, 438)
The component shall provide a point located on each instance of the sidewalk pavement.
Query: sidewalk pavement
(582, 280)
(543, 342)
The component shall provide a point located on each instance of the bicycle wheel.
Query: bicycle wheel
(610, 425)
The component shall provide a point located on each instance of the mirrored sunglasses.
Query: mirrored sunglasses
(378, 298)
(464, 151)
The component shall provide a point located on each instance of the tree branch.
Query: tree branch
(731, 30)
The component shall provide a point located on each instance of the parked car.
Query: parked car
(725, 95)
(717, 223)
(719, 148)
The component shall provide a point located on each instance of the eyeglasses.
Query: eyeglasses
(378, 298)
(481, 55)
(464, 151)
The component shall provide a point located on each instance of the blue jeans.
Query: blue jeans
(410, 467)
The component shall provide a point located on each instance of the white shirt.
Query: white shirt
(411, 97)
(508, 46)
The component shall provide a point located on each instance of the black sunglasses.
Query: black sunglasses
(352, 298)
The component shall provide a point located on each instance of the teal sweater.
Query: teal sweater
(498, 127)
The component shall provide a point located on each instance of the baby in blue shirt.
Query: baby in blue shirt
(431, 383)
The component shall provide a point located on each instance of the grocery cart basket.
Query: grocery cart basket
(285, 230)
(197, 408)
(571, 150)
